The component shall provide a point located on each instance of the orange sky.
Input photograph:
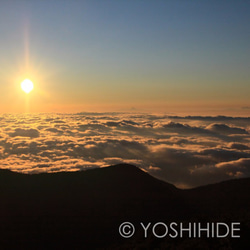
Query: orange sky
(162, 57)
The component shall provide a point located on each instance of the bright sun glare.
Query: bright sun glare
(27, 85)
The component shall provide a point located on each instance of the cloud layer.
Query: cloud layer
(186, 151)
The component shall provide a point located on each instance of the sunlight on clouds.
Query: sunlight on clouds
(185, 151)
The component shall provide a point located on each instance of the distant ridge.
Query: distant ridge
(122, 174)
(70, 210)
(117, 173)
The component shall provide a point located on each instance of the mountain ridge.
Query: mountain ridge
(72, 209)
(122, 168)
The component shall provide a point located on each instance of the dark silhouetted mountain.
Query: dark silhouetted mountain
(83, 210)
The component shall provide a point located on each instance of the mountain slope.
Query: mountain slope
(75, 209)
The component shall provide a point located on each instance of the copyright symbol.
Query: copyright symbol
(126, 229)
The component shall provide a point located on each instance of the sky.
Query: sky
(141, 82)
(177, 57)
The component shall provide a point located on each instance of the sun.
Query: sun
(27, 85)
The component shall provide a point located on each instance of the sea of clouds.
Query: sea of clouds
(185, 151)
